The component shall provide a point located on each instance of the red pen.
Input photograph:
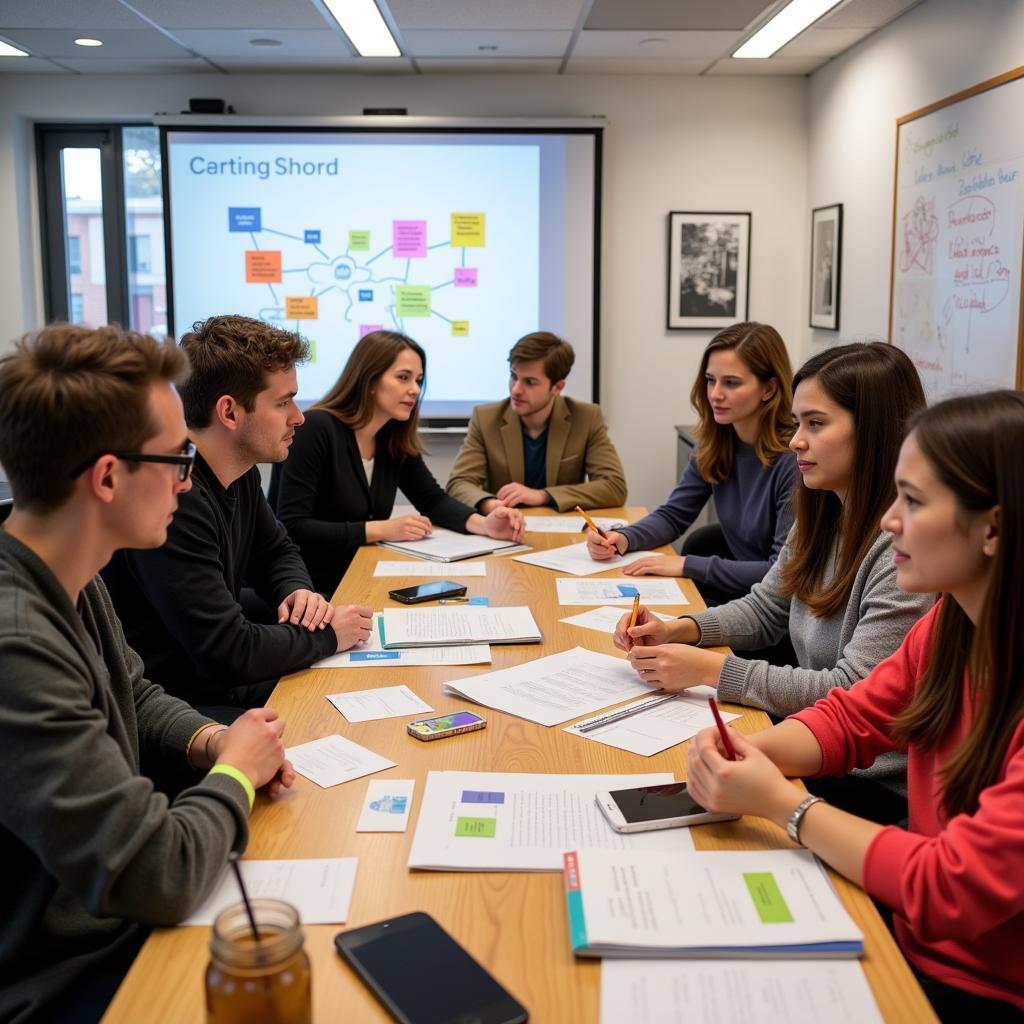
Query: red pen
(730, 750)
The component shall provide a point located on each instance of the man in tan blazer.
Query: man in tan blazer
(537, 447)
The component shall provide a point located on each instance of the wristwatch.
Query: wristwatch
(793, 825)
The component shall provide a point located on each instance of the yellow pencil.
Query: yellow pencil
(636, 610)
(590, 522)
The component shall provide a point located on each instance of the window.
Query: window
(140, 260)
(77, 308)
(74, 254)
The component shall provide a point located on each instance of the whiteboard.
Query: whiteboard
(958, 239)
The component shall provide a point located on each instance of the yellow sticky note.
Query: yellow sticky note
(300, 307)
(460, 328)
(468, 230)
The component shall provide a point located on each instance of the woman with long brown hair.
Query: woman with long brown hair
(952, 698)
(742, 396)
(357, 447)
(834, 585)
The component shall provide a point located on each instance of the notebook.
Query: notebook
(447, 546)
(466, 624)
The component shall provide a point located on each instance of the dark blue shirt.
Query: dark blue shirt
(535, 457)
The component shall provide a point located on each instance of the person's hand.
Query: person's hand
(503, 523)
(406, 528)
(611, 545)
(649, 629)
(519, 494)
(284, 779)
(676, 667)
(305, 608)
(488, 505)
(752, 784)
(253, 745)
(656, 565)
(351, 625)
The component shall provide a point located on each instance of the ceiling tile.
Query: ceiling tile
(314, 65)
(508, 15)
(636, 65)
(198, 14)
(477, 44)
(118, 44)
(218, 43)
(768, 66)
(186, 65)
(710, 45)
(693, 15)
(822, 42)
(14, 65)
(80, 17)
(498, 66)
(867, 13)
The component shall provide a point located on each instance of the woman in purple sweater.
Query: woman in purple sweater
(742, 394)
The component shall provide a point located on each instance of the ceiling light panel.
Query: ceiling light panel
(366, 29)
(787, 24)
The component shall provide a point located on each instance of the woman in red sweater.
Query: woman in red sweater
(952, 697)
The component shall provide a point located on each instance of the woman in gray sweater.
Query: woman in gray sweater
(834, 584)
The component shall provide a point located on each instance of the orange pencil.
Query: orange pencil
(590, 522)
(636, 609)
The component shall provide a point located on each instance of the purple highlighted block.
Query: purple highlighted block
(365, 329)
(474, 796)
(409, 238)
(465, 277)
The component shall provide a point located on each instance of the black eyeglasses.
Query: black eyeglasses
(185, 461)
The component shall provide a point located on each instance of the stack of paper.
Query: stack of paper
(446, 546)
(407, 568)
(568, 524)
(575, 559)
(761, 903)
(467, 624)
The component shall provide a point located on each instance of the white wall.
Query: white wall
(673, 143)
(933, 51)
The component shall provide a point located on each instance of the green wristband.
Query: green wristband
(239, 776)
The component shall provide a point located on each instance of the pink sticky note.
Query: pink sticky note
(365, 329)
(409, 238)
(465, 277)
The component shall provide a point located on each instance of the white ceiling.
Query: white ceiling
(523, 36)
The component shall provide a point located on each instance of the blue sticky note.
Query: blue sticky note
(475, 796)
(628, 590)
(478, 600)
(244, 218)
(366, 295)
(374, 655)
(311, 236)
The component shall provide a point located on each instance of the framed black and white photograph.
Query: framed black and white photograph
(708, 269)
(826, 249)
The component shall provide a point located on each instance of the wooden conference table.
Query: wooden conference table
(515, 923)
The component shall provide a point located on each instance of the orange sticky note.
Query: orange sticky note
(263, 266)
(300, 307)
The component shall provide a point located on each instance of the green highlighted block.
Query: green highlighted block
(312, 349)
(412, 300)
(359, 241)
(768, 899)
(481, 828)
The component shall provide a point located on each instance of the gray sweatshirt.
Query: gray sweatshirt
(88, 845)
(835, 651)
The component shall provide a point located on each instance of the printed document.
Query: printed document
(506, 821)
(385, 702)
(447, 546)
(721, 903)
(568, 524)
(603, 620)
(736, 992)
(320, 889)
(556, 688)
(465, 624)
(384, 568)
(372, 653)
(574, 558)
(333, 759)
(658, 728)
(620, 591)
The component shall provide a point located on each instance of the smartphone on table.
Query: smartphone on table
(428, 591)
(647, 808)
(423, 976)
(445, 725)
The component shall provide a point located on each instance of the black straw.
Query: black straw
(233, 861)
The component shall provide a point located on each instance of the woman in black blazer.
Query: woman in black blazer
(357, 446)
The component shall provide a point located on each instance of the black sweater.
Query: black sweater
(179, 603)
(324, 501)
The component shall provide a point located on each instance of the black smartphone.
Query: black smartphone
(427, 591)
(423, 976)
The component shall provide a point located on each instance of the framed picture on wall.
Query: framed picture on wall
(708, 269)
(826, 250)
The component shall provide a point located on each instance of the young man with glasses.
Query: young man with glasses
(93, 441)
(182, 605)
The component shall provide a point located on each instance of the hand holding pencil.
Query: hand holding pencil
(602, 545)
(639, 627)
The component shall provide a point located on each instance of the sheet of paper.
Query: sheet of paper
(605, 619)
(386, 702)
(574, 558)
(320, 889)
(332, 760)
(371, 653)
(661, 727)
(620, 590)
(508, 821)
(556, 688)
(447, 546)
(458, 624)
(568, 524)
(440, 569)
(736, 992)
(386, 806)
